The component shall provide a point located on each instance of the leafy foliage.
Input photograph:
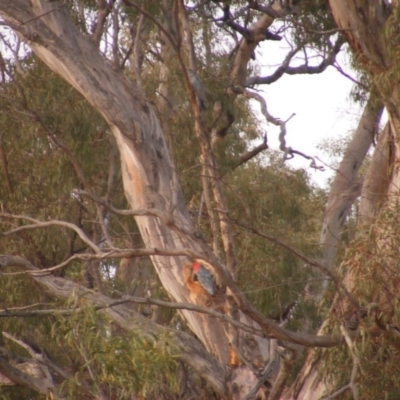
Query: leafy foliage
(55, 143)
(370, 263)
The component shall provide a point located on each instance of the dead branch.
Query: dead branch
(145, 212)
(288, 151)
(285, 68)
(213, 218)
(346, 75)
(6, 313)
(114, 253)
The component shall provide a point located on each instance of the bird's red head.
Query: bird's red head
(196, 267)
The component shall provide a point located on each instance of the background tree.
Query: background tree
(118, 131)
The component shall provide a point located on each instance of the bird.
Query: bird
(204, 277)
(198, 88)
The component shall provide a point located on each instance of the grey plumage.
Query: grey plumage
(198, 88)
(204, 277)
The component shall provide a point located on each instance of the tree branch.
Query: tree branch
(7, 313)
(288, 151)
(285, 68)
(352, 385)
(187, 348)
(346, 186)
(38, 383)
(103, 10)
(64, 288)
(39, 224)
(252, 153)
(208, 158)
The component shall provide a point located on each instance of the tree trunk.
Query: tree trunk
(149, 177)
(344, 191)
(376, 181)
(362, 23)
(346, 187)
(151, 183)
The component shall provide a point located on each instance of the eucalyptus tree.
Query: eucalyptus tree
(191, 182)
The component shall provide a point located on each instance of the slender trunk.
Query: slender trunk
(346, 187)
(309, 384)
(362, 24)
(376, 181)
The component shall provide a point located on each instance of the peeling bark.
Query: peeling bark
(362, 22)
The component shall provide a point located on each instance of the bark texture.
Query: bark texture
(362, 22)
(149, 177)
(151, 183)
(377, 179)
(346, 187)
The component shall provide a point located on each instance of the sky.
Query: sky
(321, 103)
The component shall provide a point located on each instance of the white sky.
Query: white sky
(321, 103)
